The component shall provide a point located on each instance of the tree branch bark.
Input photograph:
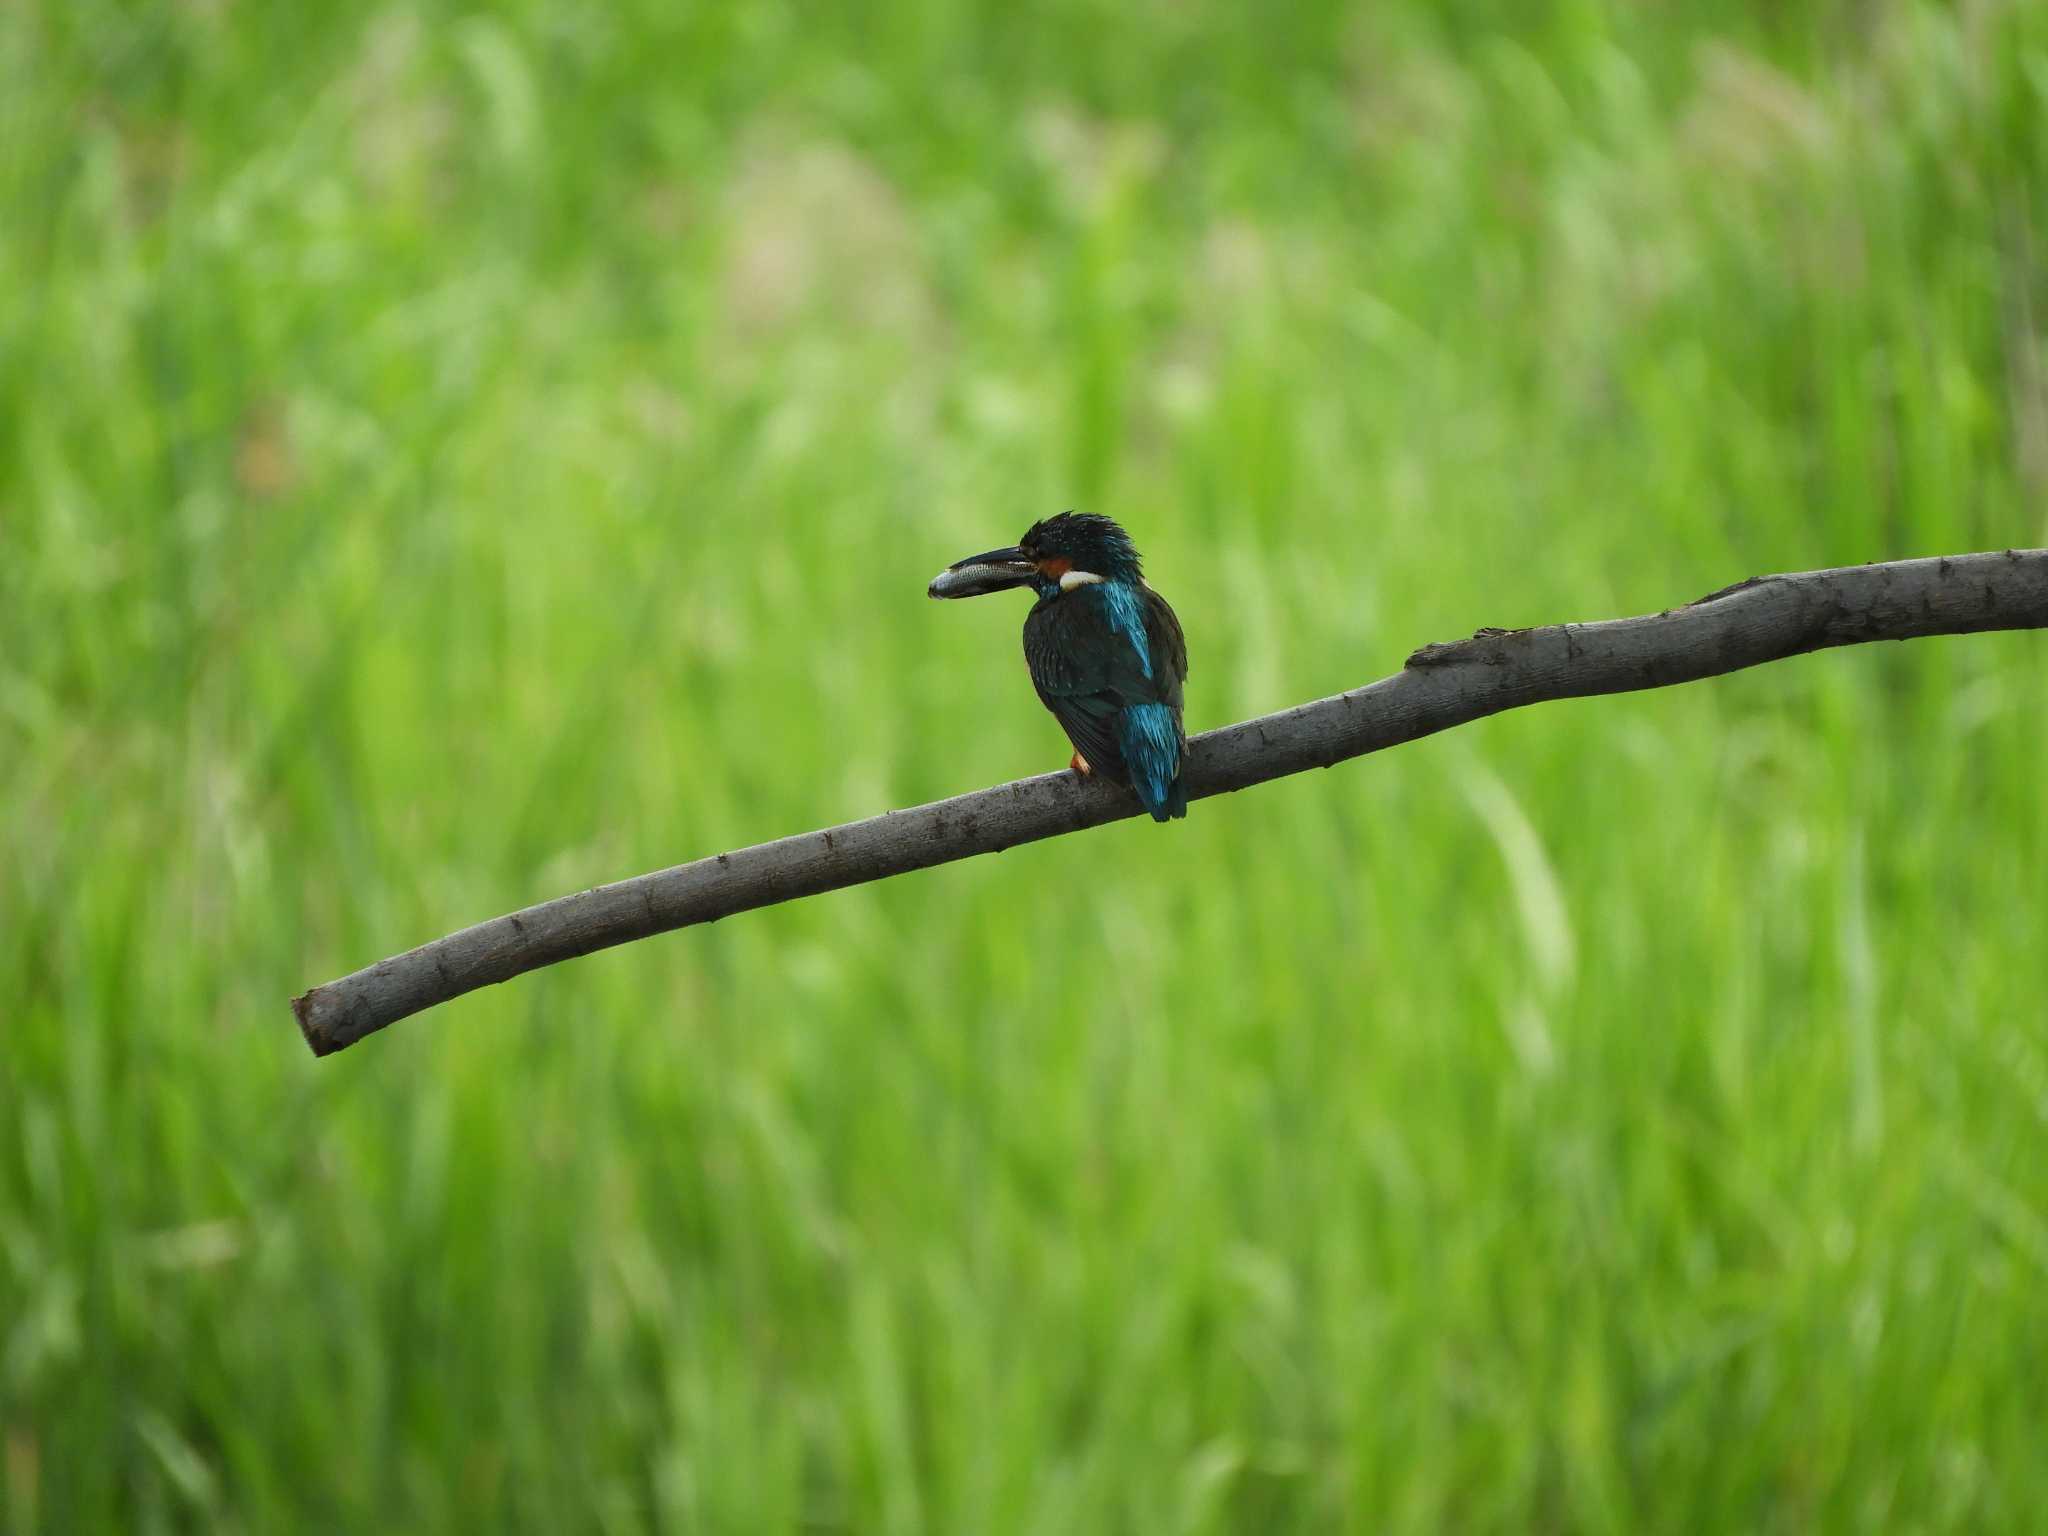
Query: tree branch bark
(1763, 619)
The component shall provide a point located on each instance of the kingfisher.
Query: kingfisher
(1105, 651)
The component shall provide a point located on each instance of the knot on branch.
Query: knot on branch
(1450, 653)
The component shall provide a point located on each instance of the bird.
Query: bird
(1105, 651)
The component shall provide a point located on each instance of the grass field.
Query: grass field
(453, 455)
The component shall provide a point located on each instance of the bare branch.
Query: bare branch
(1759, 620)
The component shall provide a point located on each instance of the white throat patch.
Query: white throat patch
(1073, 579)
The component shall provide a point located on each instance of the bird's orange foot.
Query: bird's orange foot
(1080, 765)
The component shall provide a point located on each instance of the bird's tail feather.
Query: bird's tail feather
(1176, 800)
(1150, 737)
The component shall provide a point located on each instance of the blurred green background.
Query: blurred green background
(454, 455)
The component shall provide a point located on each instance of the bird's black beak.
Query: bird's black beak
(996, 571)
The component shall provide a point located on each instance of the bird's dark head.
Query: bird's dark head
(1055, 554)
(1083, 542)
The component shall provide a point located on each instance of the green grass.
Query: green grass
(449, 456)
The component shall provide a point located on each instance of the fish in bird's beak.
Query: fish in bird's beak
(996, 571)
